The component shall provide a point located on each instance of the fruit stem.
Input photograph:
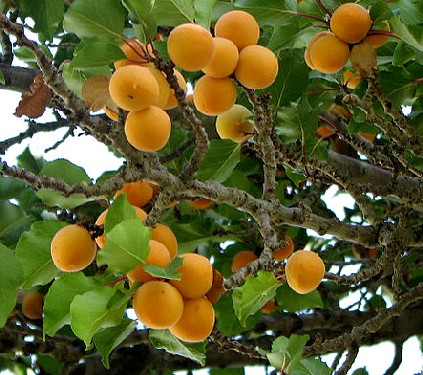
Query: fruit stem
(384, 32)
(331, 123)
(117, 281)
(310, 16)
(321, 5)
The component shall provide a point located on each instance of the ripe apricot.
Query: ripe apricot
(138, 193)
(351, 80)
(172, 102)
(214, 95)
(136, 53)
(158, 304)
(158, 255)
(238, 26)
(350, 22)
(190, 46)
(225, 59)
(163, 234)
(304, 271)
(269, 307)
(378, 40)
(197, 320)
(32, 305)
(148, 130)
(324, 132)
(196, 275)
(72, 248)
(326, 53)
(164, 88)
(232, 124)
(200, 203)
(284, 252)
(369, 136)
(242, 258)
(133, 88)
(257, 67)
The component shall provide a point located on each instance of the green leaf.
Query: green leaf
(163, 339)
(30, 162)
(220, 160)
(286, 352)
(203, 11)
(360, 371)
(268, 12)
(291, 301)
(96, 309)
(119, 211)
(89, 18)
(13, 221)
(59, 298)
(253, 295)
(11, 275)
(109, 338)
(227, 371)
(311, 366)
(169, 272)
(33, 251)
(410, 34)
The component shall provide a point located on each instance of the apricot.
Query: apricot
(257, 67)
(200, 203)
(351, 80)
(172, 102)
(164, 88)
(378, 40)
(157, 255)
(214, 95)
(190, 46)
(350, 22)
(269, 307)
(324, 132)
(138, 193)
(369, 136)
(163, 234)
(304, 271)
(148, 130)
(32, 305)
(136, 53)
(238, 26)
(197, 321)
(111, 114)
(72, 248)
(326, 53)
(233, 124)
(196, 275)
(284, 252)
(158, 304)
(242, 258)
(133, 88)
(225, 59)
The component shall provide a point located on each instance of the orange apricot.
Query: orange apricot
(269, 307)
(377, 40)
(369, 136)
(163, 234)
(72, 248)
(164, 88)
(32, 305)
(111, 114)
(136, 53)
(350, 22)
(214, 95)
(190, 46)
(351, 80)
(304, 271)
(238, 26)
(138, 193)
(158, 255)
(324, 132)
(225, 59)
(284, 252)
(148, 130)
(158, 304)
(233, 124)
(196, 322)
(133, 88)
(172, 102)
(242, 258)
(257, 67)
(200, 203)
(196, 275)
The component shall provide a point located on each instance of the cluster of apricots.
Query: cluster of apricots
(350, 25)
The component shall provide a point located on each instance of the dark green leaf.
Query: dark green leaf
(291, 301)
(169, 272)
(286, 352)
(203, 11)
(13, 221)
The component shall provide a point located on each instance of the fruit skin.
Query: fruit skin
(134, 51)
(200, 203)
(163, 234)
(148, 130)
(257, 67)
(138, 193)
(172, 102)
(269, 307)
(214, 95)
(164, 88)
(225, 59)
(238, 26)
(158, 304)
(378, 40)
(190, 46)
(133, 88)
(72, 248)
(32, 305)
(243, 258)
(304, 271)
(232, 125)
(196, 276)
(284, 252)
(197, 321)
(350, 22)
(351, 80)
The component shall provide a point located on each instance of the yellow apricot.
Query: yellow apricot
(190, 46)
(284, 252)
(164, 88)
(200, 203)
(350, 22)
(351, 80)
(377, 40)
(214, 95)
(158, 304)
(172, 102)
(196, 275)
(133, 88)
(225, 59)
(197, 321)
(138, 193)
(257, 67)
(238, 26)
(72, 248)
(307, 57)
(232, 124)
(32, 305)
(304, 271)
(242, 258)
(163, 234)
(158, 255)
(148, 130)
(136, 53)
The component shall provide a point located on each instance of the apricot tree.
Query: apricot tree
(216, 243)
